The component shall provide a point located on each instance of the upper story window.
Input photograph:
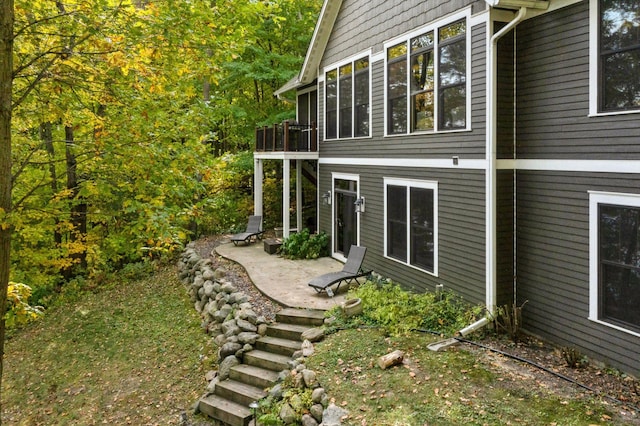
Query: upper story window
(427, 80)
(618, 55)
(615, 260)
(347, 100)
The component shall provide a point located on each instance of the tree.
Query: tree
(6, 80)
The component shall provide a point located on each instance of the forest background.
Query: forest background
(127, 126)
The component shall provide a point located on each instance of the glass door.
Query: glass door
(345, 217)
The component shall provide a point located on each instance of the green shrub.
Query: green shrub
(387, 305)
(303, 245)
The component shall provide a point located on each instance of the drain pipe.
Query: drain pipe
(490, 186)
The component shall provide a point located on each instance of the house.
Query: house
(491, 147)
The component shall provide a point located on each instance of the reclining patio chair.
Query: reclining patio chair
(252, 233)
(351, 271)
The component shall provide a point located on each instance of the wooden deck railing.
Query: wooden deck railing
(287, 137)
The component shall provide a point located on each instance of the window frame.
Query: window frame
(433, 27)
(596, 84)
(597, 198)
(354, 105)
(408, 184)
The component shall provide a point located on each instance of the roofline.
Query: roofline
(318, 44)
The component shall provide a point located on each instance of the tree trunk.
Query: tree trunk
(46, 136)
(6, 84)
(78, 207)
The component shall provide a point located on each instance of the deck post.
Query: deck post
(299, 195)
(286, 188)
(285, 136)
(257, 186)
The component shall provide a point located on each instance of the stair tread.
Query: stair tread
(305, 313)
(253, 392)
(257, 353)
(290, 327)
(237, 413)
(252, 370)
(281, 342)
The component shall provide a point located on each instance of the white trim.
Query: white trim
(594, 64)
(432, 163)
(596, 198)
(408, 184)
(480, 18)
(593, 57)
(569, 165)
(377, 57)
(282, 155)
(342, 176)
(349, 60)
(465, 14)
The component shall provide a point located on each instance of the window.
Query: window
(347, 100)
(433, 64)
(619, 55)
(411, 229)
(615, 260)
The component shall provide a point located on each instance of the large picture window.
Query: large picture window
(427, 80)
(411, 229)
(615, 257)
(347, 91)
(619, 55)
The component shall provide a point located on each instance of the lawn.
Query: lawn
(131, 352)
(455, 387)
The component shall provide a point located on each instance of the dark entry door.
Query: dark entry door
(346, 229)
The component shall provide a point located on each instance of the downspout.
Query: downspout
(491, 220)
(492, 144)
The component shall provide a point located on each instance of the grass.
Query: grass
(436, 388)
(128, 353)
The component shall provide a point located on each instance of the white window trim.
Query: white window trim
(336, 66)
(433, 26)
(596, 198)
(413, 183)
(356, 179)
(594, 61)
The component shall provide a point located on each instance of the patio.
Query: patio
(283, 280)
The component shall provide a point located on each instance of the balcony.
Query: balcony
(287, 137)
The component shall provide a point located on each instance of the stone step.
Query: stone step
(266, 360)
(277, 345)
(239, 392)
(287, 331)
(252, 375)
(228, 412)
(310, 317)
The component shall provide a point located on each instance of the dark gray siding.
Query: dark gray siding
(364, 24)
(553, 94)
(461, 227)
(553, 262)
(504, 237)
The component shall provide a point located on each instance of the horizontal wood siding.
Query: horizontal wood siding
(553, 94)
(504, 237)
(363, 25)
(553, 262)
(461, 228)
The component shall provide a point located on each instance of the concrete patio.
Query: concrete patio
(283, 280)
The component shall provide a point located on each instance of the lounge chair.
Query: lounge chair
(351, 271)
(252, 233)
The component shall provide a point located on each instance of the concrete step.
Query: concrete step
(266, 360)
(310, 317)
(277, 345)
(239, 392)
(287, 331)
(228, 412)
(252, 375)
